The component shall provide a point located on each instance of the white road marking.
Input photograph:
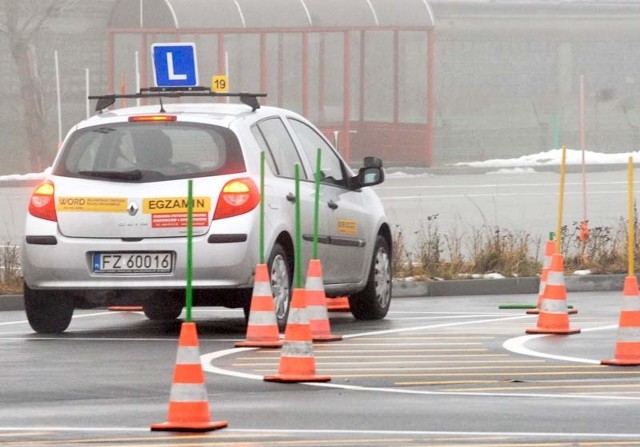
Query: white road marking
(516, 345)
(207, 365)
(508, 434)
(97, 314)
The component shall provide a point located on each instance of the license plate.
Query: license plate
(133, 262)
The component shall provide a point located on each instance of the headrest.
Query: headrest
(152, 146)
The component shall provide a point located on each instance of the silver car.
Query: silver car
(109, 224)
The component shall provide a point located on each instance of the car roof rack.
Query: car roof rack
(105, 101)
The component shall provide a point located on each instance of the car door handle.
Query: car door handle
(331, 204)
(291, 197)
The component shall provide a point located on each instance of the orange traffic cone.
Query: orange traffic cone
(340, 304)
(297, 363)
(628, 345)
(549, 250)
(188, 406)
(262, 328)
(554, 316)
(316, 304)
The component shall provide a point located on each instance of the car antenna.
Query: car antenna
(161, 105)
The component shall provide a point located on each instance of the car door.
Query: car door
(281, 157)
(344, 250)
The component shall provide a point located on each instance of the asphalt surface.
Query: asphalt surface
(438, 372)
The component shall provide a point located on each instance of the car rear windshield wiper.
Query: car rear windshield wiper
(115, 175)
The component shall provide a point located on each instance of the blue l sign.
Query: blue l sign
(175, 64)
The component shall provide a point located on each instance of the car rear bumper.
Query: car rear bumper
(216, 263)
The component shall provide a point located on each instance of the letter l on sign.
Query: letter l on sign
(173, 76)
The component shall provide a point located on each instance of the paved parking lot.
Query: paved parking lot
(437, 371)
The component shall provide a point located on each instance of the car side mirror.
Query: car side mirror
(367, 176)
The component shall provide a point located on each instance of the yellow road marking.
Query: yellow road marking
(414, 362)
(364, 345)
(523, 370)
(511, 373)
(545, 387)
(418, 337)
(276, 354)
(23, 434)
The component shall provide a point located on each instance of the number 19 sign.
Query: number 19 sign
(175, 64)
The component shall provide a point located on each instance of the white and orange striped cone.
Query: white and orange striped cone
(316, 304)
(339, 304)
(554, 316)
(549, 250)
(262, 327)
(188, 404)
(297, 363)
(627, 352)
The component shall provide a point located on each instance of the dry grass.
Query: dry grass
(439, 255)
(10, 279)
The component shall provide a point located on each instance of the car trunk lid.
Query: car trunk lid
(102, 209)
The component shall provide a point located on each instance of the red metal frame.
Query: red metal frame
(346, 114)
(305, 74)
(396, 129)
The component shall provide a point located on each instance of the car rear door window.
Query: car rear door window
(280, 146)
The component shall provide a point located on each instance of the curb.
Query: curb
(464, 287)
(503, 286)
(11, 302)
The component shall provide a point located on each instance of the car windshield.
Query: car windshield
(145, 152)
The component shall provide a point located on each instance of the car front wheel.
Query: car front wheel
(372, 303)
(48, 311)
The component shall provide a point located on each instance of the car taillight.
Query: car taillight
(238, 196)
(42, 203)
(151, 118)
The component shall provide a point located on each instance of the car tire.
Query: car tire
(281, 277)
(163, 307)
(246, 310)
(372, 303)
(48, 311)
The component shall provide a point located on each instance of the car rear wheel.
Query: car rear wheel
(48, 311)
(372, 303)
(163, 306)
(281, 275)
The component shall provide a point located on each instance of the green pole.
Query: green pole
(298, 230)
(262, 158)
(316, 209)
(189, 248)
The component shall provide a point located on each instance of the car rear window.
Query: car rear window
(146, 152)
